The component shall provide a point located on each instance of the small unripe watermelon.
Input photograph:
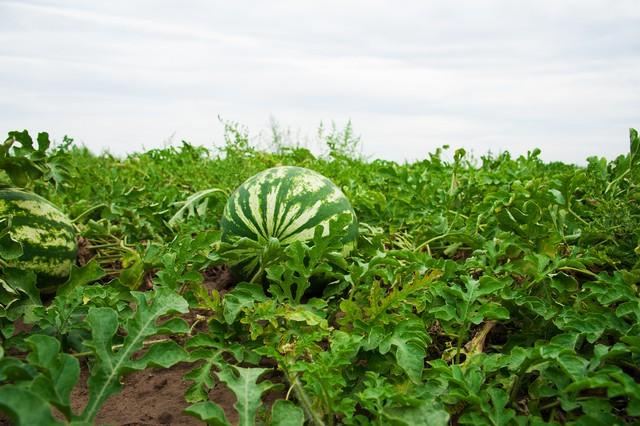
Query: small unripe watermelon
(286, 203)
(46, 234)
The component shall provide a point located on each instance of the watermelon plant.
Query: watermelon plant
(37, 242)
(498, 290)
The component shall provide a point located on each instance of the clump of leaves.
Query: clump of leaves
(495, 291)
(25, 163)
(47, 377)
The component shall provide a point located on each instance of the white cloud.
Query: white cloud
(562, 76)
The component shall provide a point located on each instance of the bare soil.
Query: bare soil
(150, 397)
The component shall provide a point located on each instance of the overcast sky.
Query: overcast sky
(563, 76)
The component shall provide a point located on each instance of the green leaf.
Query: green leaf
(195, 205)
(445, 312)
(631, 309)
(574, 365)
(60, 372)
(164, 354)
(496, 411)
(611, 289)
(105, 376)
(286, 413)
(19, 295)
(133, 273)
(302, 313)
(23, 138)
(21, 171)
(208, 412)
(174, 326)
(43, 141)
(427, 413)
(81, 276)
(410, 339)
(110, 365)
(242, 382)
(23, 281)
(592, 324)
(537, 305)
(486, 285)
(557, 197)
(25, 407)
(492, 310)
(9, 248)
(597, 412)
(203, 381)
(243, 296)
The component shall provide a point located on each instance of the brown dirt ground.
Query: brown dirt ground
(151, 397)
(156, 396)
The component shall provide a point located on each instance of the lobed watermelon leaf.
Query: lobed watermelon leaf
(25, 407)
(111, 365)
(243, 383)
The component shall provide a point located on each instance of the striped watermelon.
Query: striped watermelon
(47, 236)
(286, 203)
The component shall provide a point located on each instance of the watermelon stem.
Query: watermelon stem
(257, 275)
(89, 210)
(459, 343)
(106, 245)
(187, 205)
(118, 346)
(303, 399)
(436, 238)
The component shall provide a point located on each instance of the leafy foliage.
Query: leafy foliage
(24, 164)
(498, 291)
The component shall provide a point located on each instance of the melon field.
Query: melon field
(488, 290)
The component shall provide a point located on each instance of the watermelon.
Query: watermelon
(287, 203)
(47, 236)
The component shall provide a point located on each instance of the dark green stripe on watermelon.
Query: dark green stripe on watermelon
(42, 223)
(47, 236)
(59, 252)
(286, 203)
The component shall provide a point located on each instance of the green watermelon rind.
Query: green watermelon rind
(46, 234)
(286, 203)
